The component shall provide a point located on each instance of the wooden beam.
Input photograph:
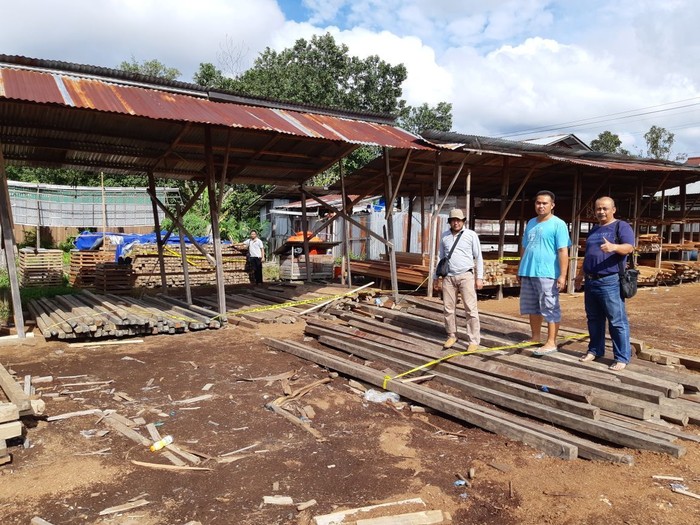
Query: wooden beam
(469, 412)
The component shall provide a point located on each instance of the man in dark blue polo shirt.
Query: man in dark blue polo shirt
(607, 244)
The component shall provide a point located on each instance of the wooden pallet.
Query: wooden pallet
(40, 267)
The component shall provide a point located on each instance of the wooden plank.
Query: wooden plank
(607, 432)
(423, 517)
(586, 449)
(10, 430)
(8, 412)
(13, 391)
(125, 430)
(497, 391)
(469, 412)
(339, 516)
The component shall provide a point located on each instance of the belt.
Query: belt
(596, 276)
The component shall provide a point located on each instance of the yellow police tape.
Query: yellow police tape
(481, 351)
(288, 304)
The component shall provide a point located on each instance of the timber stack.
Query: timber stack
(40, 267)
(146, 268)
(588, 410)
(86, 316)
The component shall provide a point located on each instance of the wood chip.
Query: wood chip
(278, 500)
(126, 506)
(305, 505)
(193, 399)
(161, 466)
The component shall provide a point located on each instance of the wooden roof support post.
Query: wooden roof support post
(422, 220)
(389, 215)
(505, 173)
(437, 181)
(471, 220)
(684, 206)
(183, 257)
(575, 230)
(345, 266)
(159, 239)
(8, 243)
(214, 215)
(305, 227)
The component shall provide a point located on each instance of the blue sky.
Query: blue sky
(510, 68)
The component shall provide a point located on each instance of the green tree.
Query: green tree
(608, 142)
(151, 68)
(421, 118)
(321, 72)
(659, 144)
(209, 76)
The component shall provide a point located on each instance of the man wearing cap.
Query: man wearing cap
(544, 260)
(465, 276)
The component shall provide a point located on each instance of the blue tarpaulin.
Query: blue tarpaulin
(124, 241)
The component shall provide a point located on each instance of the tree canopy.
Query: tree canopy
(151, 68)
(659, 144)
(608, 142)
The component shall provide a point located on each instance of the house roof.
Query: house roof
(57, 114)
(570, 141)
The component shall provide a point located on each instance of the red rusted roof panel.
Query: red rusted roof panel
(101, 95)
(27, 85)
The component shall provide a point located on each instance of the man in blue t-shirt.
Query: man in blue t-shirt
(544, 260)
(607, 247)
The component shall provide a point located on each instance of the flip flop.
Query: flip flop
(588, 358)
(544, 351)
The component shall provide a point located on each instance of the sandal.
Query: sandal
(588, 358)
(617, 366)
(544, 351)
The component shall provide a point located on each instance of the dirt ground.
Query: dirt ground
(370, 453)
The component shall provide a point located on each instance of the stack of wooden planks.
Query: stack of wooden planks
(114, 278)
(555, 403)
(293, 268)
(648, 243)
(684, 270)
(14, 402)
(144, 261)
(500, 273)
(40, 267)
(81, 273)
(406, 274)
(90, 316)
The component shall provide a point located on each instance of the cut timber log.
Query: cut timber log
(607, 432)
(471, 413)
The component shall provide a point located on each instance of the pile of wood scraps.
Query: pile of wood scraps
(555, 404)
(90, 316)
(17, 399)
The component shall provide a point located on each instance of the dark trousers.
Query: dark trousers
(256, 269)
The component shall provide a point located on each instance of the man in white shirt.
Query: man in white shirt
(256, 255)
(465, 276)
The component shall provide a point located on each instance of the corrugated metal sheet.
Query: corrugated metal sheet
(101, 95)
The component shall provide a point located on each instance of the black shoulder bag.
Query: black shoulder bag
(628, 276)
(443, 266)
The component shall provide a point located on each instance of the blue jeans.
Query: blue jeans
(604, 303)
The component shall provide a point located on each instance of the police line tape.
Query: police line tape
(434, 362)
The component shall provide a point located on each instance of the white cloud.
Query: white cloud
(504, 64)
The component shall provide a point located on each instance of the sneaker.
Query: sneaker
(473, 347)
(450, 342)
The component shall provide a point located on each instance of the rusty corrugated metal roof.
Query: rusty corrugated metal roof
(100, 95)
